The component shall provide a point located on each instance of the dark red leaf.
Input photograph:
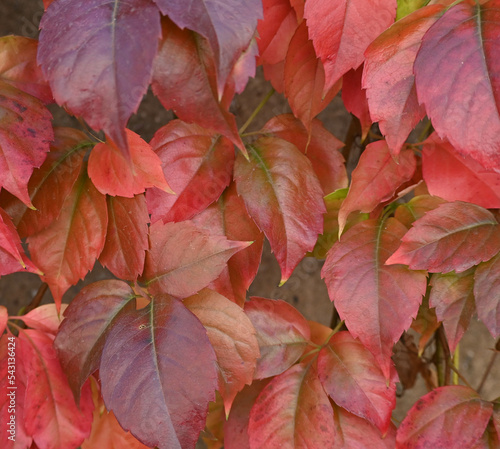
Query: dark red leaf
(321, 148)
(25, 133)
(352, 378)
(357, 433)
(340, 34)
(453, 298)
(236, 426)
(18, 67)
(292, 411)
(283, 195)
(452, 416)
(197, 165)
(126, 237)
(183, 258)
(305, 79)
(184, 80)
(455, 177)
(12, 256)
(376, 178)
(388, 76)
(354, 98)
(376, 301)
(87, 321)
(114, 174)
(282, 333)
(426, 323)
(232, 336)
(52, 183)
(486, 294)
(228, 25)
(51, 415)
(455, 236)
(457, 74)
(166, 372)
(67, 249)
(98, 58)
(229, 217)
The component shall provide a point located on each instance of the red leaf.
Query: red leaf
(453, 416)
(453, 298)
(106, 432)
(25, 133)
(293, 410)
(229, 217)
(183, 259)
(113, 174)
(184, 80)
(51, 415)
(357, 433)
(83, 331)
(245, 68)
(45, 318)
(282, 333)
(352, 378)
(339, 32)
(177, 373)
(321, 148)
(198, 166)
(67, 249)
(19, 68)
(232, 336)
(388, 76)
(12, 256)
(227, 25)
(455, 236)
(98, 58)
(13, 386)
(354, 98)
(4, 316)
(486, 294)
(376, 178)
(126, 237)
(376, 301)
(283, 195)
(457, 78)
(236, 426)
(454, 177)
(51, 185)
(305, 79)
(275, 31)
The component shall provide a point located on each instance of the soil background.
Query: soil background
(305, 290)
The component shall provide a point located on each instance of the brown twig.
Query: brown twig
(442, 358)
(35, 302)
(488, 368)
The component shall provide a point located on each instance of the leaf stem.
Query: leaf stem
(256, 111)
(458, 374)
(489, 367)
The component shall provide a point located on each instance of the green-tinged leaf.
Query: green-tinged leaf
(453, 298)
(352, 378)
(454, 236)
(232, 336)
(376, 179)
(452, 416)
(166, 373)
(45, 318)
(416, 208)
(183, 258)
(87, 321)
(406, 7)
(67, 249)
(228, 216)
(376, 301)
(284, 197)
(126, 237)
(282, 333)
(292, 411)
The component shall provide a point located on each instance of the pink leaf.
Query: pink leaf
(486, 294)
(45, 318)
